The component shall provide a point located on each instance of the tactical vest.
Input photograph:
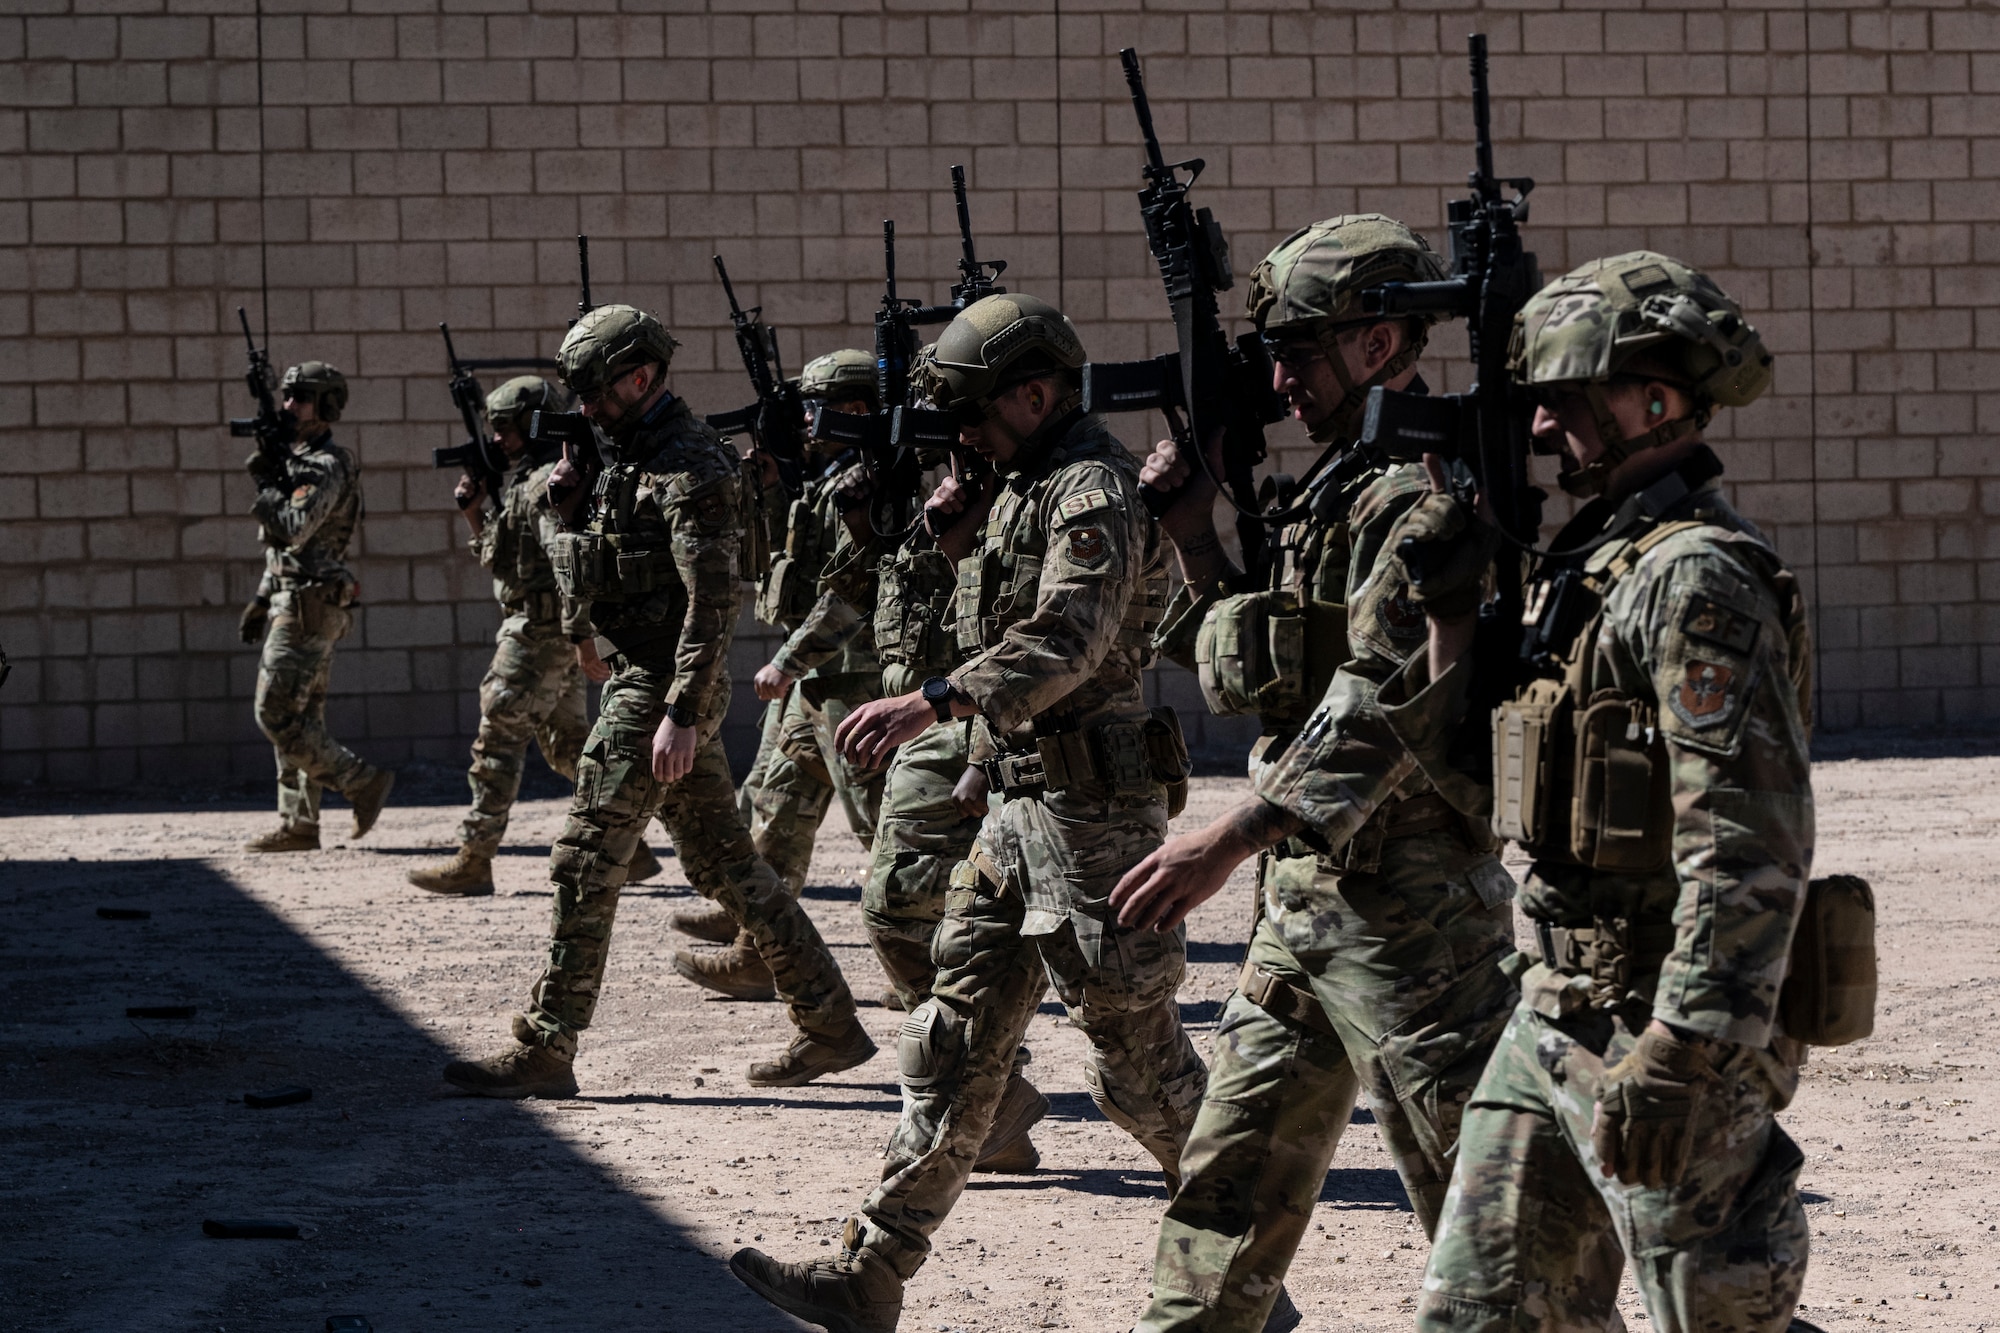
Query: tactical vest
(791, 585)
(913, 634)
(1581, 773)
(610, 562)
(322, 557)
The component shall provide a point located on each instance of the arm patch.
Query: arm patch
(1724, 626)
(1076, 506)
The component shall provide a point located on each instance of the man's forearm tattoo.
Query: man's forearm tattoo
(1200, 544)
(1260, 824)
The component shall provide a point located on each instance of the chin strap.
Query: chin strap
(1589, 479)
(1339, 424)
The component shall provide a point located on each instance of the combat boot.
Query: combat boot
(1284, 1316)
(808, 1057)
(855, 1291)
(283, 839)
(737, 971)
(709, 921)
(644, 864)
(1007, 1149)
(464, 875)
(523, 1071)
(368, 800)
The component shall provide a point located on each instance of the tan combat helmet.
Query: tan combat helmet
(1631, 318)
(994, 344)
(319, 381)
(510, 405)
(840, 376)
(1310, 287)
(609, 341)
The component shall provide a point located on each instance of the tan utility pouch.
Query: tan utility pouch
(1621, 811)
(784, 596)
(585, 565)
(1523, 740)
(1829, 993)
(1250, 653)
(1167, 752)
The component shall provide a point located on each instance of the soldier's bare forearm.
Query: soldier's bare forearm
(1204, 563)
(1254, 825)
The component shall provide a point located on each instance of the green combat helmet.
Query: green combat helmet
(996, 343)
(1637, 317)
(1311, 285)
(509, 406)
(840, 377)
(609, 341)
(319, 381)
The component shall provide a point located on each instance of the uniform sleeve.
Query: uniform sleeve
(318, 484)
(485, 542)
(829, 627)
(1095, 561)
(1704, 635)
(703, 518)
(1180, 626)
(1347, 761)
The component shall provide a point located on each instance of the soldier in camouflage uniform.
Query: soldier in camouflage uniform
(1654, 764)
(1056, 608)
(533, 691)
(654, 569)
(308, 503)
(824, 668)
(1383, 914)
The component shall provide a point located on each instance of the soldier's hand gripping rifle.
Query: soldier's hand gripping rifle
(1213, 390)
(273, 428)
(776, 421)
(478, 456)
(1486, 427)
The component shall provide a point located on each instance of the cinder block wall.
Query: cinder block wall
(433, 159)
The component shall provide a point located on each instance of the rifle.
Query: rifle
(583, 302)
(273, 428)
(478, 456)
(776, 421)
(1487, 426)
(1210, 388)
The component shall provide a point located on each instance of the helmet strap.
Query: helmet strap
(1338, 425)
(1590, 478)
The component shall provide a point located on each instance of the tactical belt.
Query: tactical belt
(1610, 952)
(1282, 1000)
(1111, 755)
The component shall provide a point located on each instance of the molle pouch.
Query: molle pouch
(639, 571)
(1167, 753)
(583, 565)
(1523, 747)
(976, 574)
(1125, 765)
(780, 595)
(1829, 993)
(1621, 814)
(1237, 648)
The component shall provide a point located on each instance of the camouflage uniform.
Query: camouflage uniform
(1655, 766)
(306, 508)
(534, 689)
(655, 572)
(1374, 959)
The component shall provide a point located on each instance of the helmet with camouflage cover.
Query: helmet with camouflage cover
(840, 376)
(318, 381)
(1310, 287)
(609, 341)
(994, 344)
(1633, 318)
(509, 406)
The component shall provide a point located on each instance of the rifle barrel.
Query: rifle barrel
(735, 310)
(244, 319)
(450, 352)
(1482, 112)
(889, 256)
(583, 305)
(970, 264)
(1156, 164)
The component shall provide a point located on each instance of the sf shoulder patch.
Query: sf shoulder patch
(1707, 695)
(1724, 626)
(302, 495)
(1087, 545)
(1076, 506)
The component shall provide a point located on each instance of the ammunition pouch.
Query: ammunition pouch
(1269, 653)
(1611, 952)
(1167, 753)
(1524, 732)
(1828, 997)
(1622, 788)
(911, 602)
(591, 567)
(1122, 759)
(786, 592)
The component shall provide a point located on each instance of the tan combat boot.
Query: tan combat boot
(465, 875)
(1008, 1148)
(709, 921)
(737, 971)
(283, 839)
(368, 800)
(644, 864)
(808, 1057)
(855, 1291)
(521, 1071)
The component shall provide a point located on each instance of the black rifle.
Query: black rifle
(1492, 277)
(273, 428)
(776, 421)
(479, 457)
(1212, 388)
(583, 302)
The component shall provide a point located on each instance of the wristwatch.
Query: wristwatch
(937, 693)
(681, 715)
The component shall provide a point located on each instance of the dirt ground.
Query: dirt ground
(422, 1209)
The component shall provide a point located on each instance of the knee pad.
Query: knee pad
(930, 1046)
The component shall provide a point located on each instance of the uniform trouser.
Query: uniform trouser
(797, 775)
(1405, 965)
(533, 691)
(616, 794)
(920, 838)
(292, 678)
(957, 1050)
(1534, 1235)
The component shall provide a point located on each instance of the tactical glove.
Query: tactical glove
(256, 616)
(1444, 549)
(1646, 1108)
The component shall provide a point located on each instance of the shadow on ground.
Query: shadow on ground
(418, 1209)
